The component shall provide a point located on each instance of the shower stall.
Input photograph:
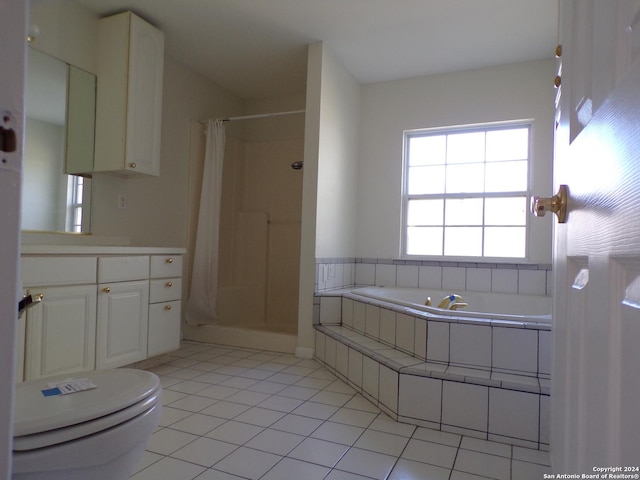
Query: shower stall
(259, 230)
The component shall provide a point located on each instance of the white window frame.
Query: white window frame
(407, 134)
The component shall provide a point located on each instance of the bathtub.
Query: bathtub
(496, 306)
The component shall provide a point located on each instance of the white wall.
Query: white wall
(330, 173)
(510, 92)
(337, 160)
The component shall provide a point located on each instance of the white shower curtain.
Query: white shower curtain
(201, 305)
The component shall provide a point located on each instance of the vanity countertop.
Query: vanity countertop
(99, 250)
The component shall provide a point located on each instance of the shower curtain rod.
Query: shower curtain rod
(260, 115)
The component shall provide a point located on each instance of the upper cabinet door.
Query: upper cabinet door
(129, 99)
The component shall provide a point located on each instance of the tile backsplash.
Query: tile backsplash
(336, 273)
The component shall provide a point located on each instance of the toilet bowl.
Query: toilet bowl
(97, 434)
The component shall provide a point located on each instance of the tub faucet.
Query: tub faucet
(452, 302)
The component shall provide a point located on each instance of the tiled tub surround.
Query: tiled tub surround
(483, 378)
(530, 279)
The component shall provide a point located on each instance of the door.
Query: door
(13, 15)
(61, 332)
(596, 366)
(123, 319)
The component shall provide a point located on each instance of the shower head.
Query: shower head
(297, 165)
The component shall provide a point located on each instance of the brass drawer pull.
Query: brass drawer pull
(167, 307)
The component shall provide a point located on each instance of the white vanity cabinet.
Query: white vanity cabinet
(108, 307)
(60, 331)
(129, 96)
(123, 310)
(164, 304)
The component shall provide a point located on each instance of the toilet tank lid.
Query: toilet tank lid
(116, 389)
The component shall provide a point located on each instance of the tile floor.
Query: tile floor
(235, 414)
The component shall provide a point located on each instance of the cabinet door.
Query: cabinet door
(164, 327)
(144, 103)
(123, 315)
(61, 332)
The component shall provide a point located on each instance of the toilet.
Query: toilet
(98, 433)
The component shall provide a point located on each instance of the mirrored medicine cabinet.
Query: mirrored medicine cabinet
(59, 145)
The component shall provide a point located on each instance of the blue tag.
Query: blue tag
(51, 392)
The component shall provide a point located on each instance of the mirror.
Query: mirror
(59, 144)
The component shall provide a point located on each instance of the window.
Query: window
(76, 203)
(466, 190)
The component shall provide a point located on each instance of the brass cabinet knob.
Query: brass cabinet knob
(556, 204)
(133, 165)
(169, 260)
(167, 308)
(557, 81)
(558, 51)
(106, 290)
(169, 284)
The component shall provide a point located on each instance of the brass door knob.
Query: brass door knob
(168, 307)
(169, 260)
(169, 284)
(556, 204)
(133, 165)
(106, 290)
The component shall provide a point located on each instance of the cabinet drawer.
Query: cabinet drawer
(47, 271)
(166, 266)
(121, 269)
(165, 290)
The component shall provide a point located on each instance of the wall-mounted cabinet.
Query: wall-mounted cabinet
(129, 98)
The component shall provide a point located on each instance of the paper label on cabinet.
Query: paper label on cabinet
(70, 385)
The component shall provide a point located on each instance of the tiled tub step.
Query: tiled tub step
(481, 402)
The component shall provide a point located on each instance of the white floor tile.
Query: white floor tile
(338, 433)
(408, 470)
(275, 417)
(315, 410)
(382, 442)
(357, 418)
(204, 451)
(248, 463)
(167, 441)
(369, 464)
(234, 432)
(217, 475)
(275, 441)
(260, 416)
(436, 436)
(528, 471)
(288, 468)
(198, 424)
(483, 464)
(431, 453)
(319, 452)
(297, 424)
(225, 410)
(169, 468)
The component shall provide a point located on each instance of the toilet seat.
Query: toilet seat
(121, 394)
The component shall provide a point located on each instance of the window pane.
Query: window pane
(506, 177)
(506, 211)
(465, 178)
(465, 147)
(428, 150)
(425, 212)
(426, 180)
(463, 211)
(463, 241)
(504, 242)
(511, 144)
(424, 240)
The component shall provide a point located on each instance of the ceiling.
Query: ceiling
(257, 48)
